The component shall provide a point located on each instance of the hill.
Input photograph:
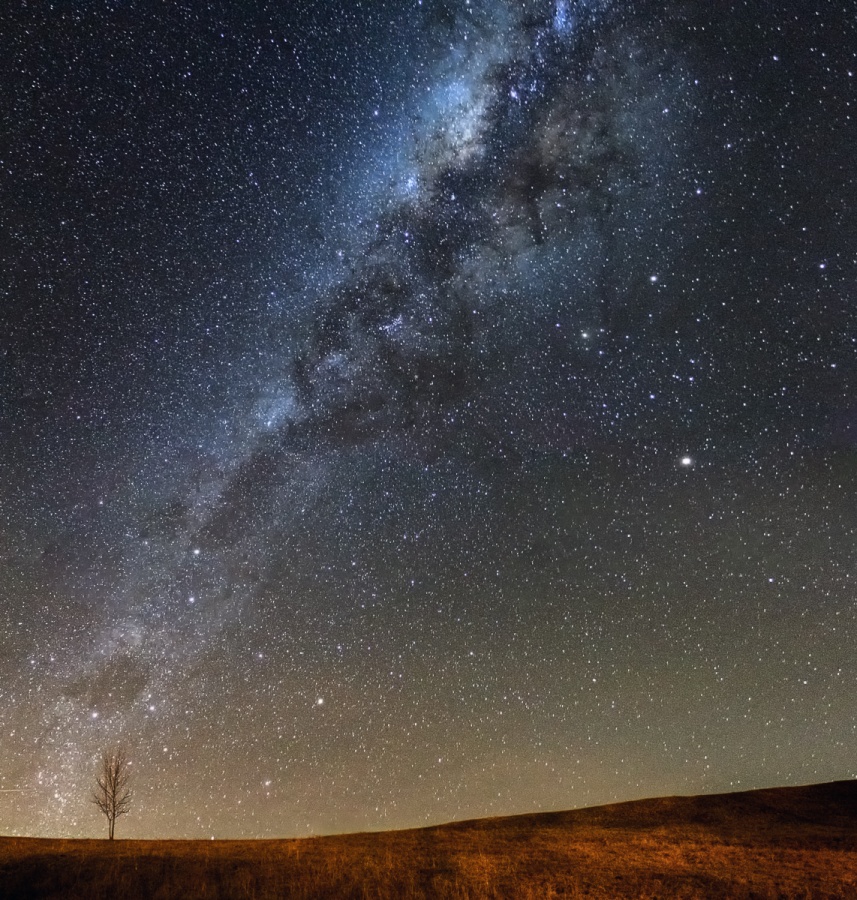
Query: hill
(795, 842)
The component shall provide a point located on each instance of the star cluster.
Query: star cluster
(423, 410)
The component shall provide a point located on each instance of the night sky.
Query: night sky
(414, 410)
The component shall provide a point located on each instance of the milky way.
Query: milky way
(424, 410)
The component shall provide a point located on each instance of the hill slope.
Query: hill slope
(796, 842)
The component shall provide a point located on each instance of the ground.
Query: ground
(783, 843)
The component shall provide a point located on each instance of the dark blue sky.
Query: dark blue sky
(422, 410)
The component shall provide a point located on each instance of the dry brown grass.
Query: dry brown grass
(768, 845)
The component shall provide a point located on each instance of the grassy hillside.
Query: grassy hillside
(780, 843)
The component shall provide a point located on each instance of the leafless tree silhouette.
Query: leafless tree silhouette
(111, 794)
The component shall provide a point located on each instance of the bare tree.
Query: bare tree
(111, 794)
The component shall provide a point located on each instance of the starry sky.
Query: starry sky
(414, 410)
